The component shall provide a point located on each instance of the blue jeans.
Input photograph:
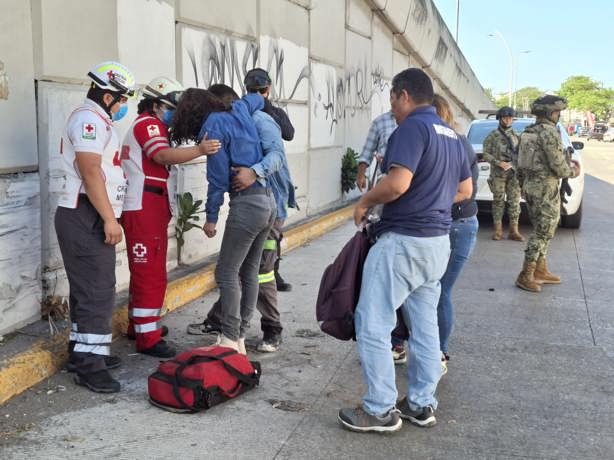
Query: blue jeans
(463, 234)
(400, 270)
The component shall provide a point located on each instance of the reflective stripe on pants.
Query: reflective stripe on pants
(144, 328)
(144, 312)
(266, 277)
(103, 350)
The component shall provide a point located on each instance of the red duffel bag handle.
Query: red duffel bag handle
(249, 380)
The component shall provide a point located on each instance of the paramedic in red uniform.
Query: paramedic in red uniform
(146, 154)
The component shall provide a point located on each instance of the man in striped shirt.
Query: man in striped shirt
(375, 145)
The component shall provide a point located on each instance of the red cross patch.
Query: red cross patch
(153, 130)
(139, 250)
(88, 131)
(161, 86)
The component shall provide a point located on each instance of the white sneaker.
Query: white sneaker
(444, 364)
(223, 341)
(242, 349)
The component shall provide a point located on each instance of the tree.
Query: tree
(584, 93)
(490, 95)
(523, 97)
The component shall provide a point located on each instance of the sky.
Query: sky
(564, 38)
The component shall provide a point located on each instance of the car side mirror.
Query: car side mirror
(577, 145)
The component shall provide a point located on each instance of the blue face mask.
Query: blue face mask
(167, 118)
(123, 110)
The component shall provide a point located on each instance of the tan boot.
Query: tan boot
(498, 231)
(514, 234)
(526, 278)
(223, 341)
(542, 275)
(242, 348)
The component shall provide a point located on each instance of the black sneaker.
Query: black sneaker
(164, 333)
(269, 343)
(356, 419)
(160, 350)
(204, 328)
(282, 286)
(100, 382)
(423, 417)
(112, 362)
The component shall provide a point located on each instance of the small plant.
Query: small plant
(188, 214)
(349, 170)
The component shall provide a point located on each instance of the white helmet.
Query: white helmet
(164, 89)
(113, 76)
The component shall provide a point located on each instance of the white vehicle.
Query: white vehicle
(571, 212)
(608, 136)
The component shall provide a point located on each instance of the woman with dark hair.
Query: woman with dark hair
(252, 211)
(146, 154)
(463, 235)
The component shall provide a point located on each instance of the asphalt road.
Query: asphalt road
(531, 375)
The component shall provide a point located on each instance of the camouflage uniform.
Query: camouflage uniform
(503, 184)
(541, 162)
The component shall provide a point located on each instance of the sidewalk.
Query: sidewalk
(32, 354)
(526, 380)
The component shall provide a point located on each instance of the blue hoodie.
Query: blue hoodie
(274, 166)
(240, 146)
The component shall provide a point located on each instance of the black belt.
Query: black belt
(252, 191)
(153, 189)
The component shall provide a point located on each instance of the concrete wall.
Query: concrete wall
(20, 240)
(331, 61)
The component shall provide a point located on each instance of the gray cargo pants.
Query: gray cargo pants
(251, 216)
(90, 268)
(270, 322)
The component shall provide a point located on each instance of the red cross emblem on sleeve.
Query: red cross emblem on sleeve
(153, 130)
(89, 131)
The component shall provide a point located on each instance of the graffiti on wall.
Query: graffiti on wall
(4, 82)
(334, 98)
(209, 58)
(214, 58)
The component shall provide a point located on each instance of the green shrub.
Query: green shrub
(187, 209)
(349, 170)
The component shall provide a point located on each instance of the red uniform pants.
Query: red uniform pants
(146, 243)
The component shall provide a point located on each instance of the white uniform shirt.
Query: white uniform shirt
(90, 129)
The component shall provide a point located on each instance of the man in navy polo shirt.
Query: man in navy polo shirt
(426, 167)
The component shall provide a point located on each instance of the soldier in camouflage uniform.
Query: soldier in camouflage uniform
(541, 163)
(500, 150)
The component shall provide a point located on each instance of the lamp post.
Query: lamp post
(516, 73)
(509, 50)
(457, 19)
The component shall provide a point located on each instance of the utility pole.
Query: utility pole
(457, 19)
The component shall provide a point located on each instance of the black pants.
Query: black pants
(90, 267)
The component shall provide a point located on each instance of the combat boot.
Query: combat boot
(542, 275)
(514, 234)
(526, 279)
(498, 231)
